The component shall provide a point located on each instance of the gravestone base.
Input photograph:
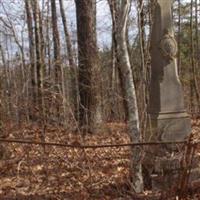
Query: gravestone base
(168, 127)
(164, 182)
(168, 179)
(163, 162)
(165, 172)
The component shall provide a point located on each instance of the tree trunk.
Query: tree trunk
(72, 66)
(56, 42)
(31, 50)
(47, 37)
(2, 149)
(179, 37)
(90, 114)
(115, 59)
(37, 45)
(143, 74)
(193, 81)
(59, 71)
(130, 94)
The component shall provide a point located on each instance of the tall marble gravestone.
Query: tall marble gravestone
(168, 118)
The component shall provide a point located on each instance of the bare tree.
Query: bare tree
(31, 49)
(90, 114)
(179, 36)
(59, 71)
(39, 54)
(2, 150)
(73, 68)
(123, 8)
(56, 41)
(193, 80)
(115, 59)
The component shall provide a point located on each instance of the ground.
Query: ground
(38, 172)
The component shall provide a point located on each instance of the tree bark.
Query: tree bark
(143, 74)
(179, 37)
(37, 49)
(31, 49)
(90, 113)
(56, 42)
(72, 66)
(115, 59)
(193, 81)
(59, 70)
(130, 94)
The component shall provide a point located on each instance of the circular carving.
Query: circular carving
(168, 46)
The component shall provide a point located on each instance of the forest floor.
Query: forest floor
(58, 173)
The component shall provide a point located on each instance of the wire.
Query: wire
(79, 146)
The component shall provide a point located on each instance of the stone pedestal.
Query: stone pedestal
(168, 120)
(168, 127)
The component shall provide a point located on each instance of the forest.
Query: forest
(99, 99)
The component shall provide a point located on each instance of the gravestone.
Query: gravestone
(169, 120)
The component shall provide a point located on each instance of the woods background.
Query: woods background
(69, 68)
(39, 73)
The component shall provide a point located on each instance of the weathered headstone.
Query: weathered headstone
(168, 118)
(166, 107)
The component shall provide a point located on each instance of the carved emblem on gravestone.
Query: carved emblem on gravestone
(168, 45)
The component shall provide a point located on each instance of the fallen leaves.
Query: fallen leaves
(55, 172)
(35, 172)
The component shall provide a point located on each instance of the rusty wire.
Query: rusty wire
(80, 146)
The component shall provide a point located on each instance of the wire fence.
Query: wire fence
(80, 146)
(190, 147)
